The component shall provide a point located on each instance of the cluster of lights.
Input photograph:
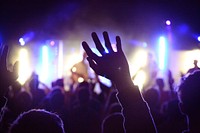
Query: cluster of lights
(22, 41)
(139, 80)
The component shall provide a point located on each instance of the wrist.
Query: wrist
(124, 82)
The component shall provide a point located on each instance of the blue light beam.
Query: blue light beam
(162, 53)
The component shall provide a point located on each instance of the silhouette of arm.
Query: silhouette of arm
(6, 77)
(114, 66)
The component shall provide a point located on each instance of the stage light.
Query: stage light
(198, 38)
(140, 79)
(80, 79)
(162, 51)
(168, 22)
(74, 69)
(137, 63)
(52, 43)
(60, 59)
(45, 64)
(22, 41)
(24, 68)
(70, 60)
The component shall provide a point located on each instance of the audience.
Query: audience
(37, 121)
(189, 96)
(117, 109)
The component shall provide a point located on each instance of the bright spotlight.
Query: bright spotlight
(45, 63)
(24, 68)
(140, 79)
(60, 60)
(80, 79)
(168, 22)
(198, 38)
(162, 51)
(22, 41)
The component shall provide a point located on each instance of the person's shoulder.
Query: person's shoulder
(190, 70)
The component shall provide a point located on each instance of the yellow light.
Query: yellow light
(140, 79)
(74, 69)
(24, 69)
(80, 79)
(70, 61)
(139, 61)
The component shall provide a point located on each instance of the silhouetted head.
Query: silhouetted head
(189, 94)
(195, 62)
(84, 95)
(37, 121)
(56, 99)
(16, 87)
(34, 83)
(152, 97)
(60, 82)
(113, 124)
(83, 84)
(160, 83)
(23, 102)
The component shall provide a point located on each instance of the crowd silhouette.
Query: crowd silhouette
(121, 108)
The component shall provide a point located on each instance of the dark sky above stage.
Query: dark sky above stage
(53, 18)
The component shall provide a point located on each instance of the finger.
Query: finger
(89, 51)
(119, 46)
(98, 44)
(107, 41)
(93, 65)
(4, 56)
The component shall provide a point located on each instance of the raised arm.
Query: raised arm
(114, 66)
(6, 77)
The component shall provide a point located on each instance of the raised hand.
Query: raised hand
(6, 77)
(112, 65)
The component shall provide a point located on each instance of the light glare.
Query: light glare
(198, 38)
(21, 41)
(24, 69)
(162, 52)
(168, 22)
(60, 60)
(45, 64)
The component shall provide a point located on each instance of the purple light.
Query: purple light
(168, 22)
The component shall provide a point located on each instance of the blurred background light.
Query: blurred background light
(22, 42)
(138, 62)
(140, 79)
(168, 22)
(162, 51)
(60, 59)
(45, 64)
(198, 38)
(24, 67)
